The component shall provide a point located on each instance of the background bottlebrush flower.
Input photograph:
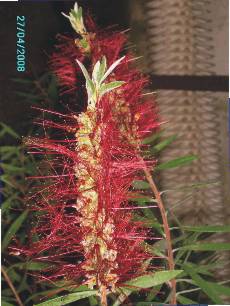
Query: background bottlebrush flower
(85, 227)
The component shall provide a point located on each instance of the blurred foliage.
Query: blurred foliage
(196, 259)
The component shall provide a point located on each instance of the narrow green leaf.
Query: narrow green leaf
(181, 161)
(163, 144)
(84, 71)
(220, 289)
(111, 68)
(208, 228)
(79, 13)
(201, 269)
(69, 298)
(59, 288)
(95, 73)
(13, 275)
(13, 229)
(184, 300)
(32, 266)
(102, 69)
(11, 168)
(212, 246)
(142, 199)
(140, 185)
(122, 297)
(5, 179)
(9, 130)
(93, 301)
(159, 248)
(152, 138)
(91, 91)
(7, 203)
(147, 304)
(12, 149)
(192, 186)
(151, 280)
(153, 293)
(89, 82)
(74, 14)
(6, 303)
(105, 88)
(204, 285)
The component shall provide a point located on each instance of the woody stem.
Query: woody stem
(103, 296)
(11, 287)
(161, 207)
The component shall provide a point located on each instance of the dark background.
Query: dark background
(43, 22)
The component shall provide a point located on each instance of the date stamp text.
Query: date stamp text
(20, 56)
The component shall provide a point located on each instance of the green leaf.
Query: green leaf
(105, 88)
(152, 138)
(54, 291)
(99, 71)
(89, 82)
(84, 71)
(4, 178)
(8, 130)
(13, 229)
(158, 248)
(69, 298)
(6, 304)
(204, 285)
(79, 13)
(208, 228)
(122, 297)
(111, 68)
(140, 185)
(84, 43)
(7, 203)
(32, 266)
(147, 304)
(181, 161)
(74, 14)
(151, 280)
(212, 246)
(102, 69)
(93, 301)
(11, 168)
(11, 149)
(184, 300)
(153, 293)
(201, 269)
(220, 289)
(192, 186)
(13, 275)
(96, 70)
(90, 91)
(163, 144)
(141, 199)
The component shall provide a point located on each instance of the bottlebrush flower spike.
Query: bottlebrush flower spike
(85, 225)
